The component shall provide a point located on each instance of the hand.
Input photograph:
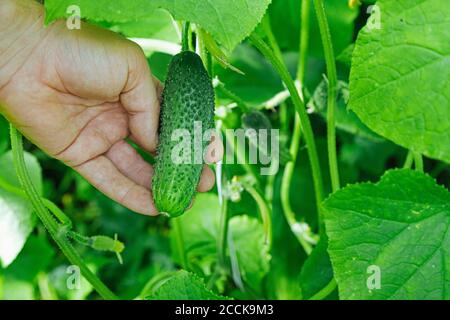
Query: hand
(78, 96)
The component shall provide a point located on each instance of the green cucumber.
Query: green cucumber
(188, 97)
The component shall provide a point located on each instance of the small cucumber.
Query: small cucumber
(188, 97)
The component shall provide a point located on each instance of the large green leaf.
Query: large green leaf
(16, 214)
(228, 21)
(400, 227)
(400, 77)
(158, 25)
(100, 10)
(184, 286)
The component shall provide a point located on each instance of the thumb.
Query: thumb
(140, 99)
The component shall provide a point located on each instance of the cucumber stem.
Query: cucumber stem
(178, 233)
(418, 161)
(185, 36)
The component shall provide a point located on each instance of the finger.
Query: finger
(96, 138)
(207, 180)
(159, 88)
(103, 175)
(191, 204)
(140, 100)
(130, 163)
(133, 139)
(214, 152)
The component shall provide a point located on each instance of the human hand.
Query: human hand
(78, 95)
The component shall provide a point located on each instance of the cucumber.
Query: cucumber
(188, 96)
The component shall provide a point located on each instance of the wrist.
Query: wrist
(21, 29)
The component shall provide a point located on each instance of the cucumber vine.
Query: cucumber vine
(332, 91)
(57, 231)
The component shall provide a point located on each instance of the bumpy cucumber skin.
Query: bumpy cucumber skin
(188, 96)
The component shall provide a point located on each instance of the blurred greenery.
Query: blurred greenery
(162, 256)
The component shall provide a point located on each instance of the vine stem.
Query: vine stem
(295, 142)
(304, 40)
(57, 232)
(332, 87)
(264, 211)
(418, 161)
(409, 160)
(223, 231)
(304, 119)
(178, 231)
(185, 36)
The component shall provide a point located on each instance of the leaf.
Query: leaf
(34, 258)
(200, 230)
(17, 290)
(16, 214)
(399, 225)
(316, 271)
(252, 254)
(158, 25)
(159, 63)
(259, 83)
(100, 10)
(19, 277)
(345, 57)
(184, 286)
(346, 120)
(8, 172)
(399, 80)
(228, 21)
(216, 52)
(16, 223)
